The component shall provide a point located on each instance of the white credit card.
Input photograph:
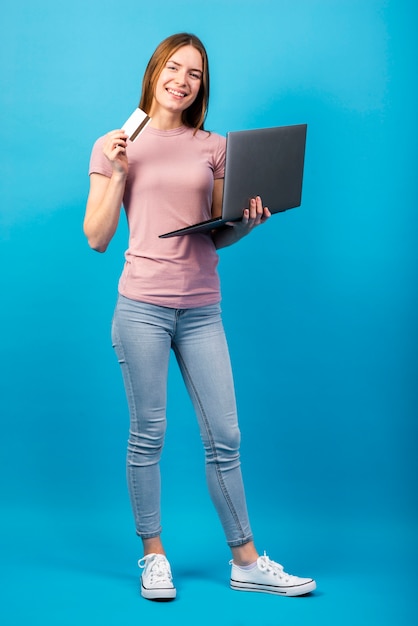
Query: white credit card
(136, 123)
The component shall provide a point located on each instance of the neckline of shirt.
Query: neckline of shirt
(168, 133)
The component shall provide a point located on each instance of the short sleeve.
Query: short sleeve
(99, 164)
(219, 158)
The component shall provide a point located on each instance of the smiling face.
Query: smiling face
(178, 83)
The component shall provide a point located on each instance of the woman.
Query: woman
(169, 295)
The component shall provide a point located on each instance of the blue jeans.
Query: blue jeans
(143, 336)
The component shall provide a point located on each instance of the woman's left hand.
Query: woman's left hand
(252, 217)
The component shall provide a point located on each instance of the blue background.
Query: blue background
(320, 308)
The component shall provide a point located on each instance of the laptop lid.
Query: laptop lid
(268, 162)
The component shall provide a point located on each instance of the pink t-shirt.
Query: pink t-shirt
(169, 185)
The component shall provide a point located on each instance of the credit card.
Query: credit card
(136, 123)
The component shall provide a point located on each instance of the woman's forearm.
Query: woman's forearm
(103, 210)
(234, 231)
(225, 236)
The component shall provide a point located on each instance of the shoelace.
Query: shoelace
(264, 563)
(159, 570)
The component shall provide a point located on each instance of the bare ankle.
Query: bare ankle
(153, 546)
(245, 554)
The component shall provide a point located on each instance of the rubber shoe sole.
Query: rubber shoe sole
(281, 590)
(164, 594)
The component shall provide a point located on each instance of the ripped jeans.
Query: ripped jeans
(143, 336)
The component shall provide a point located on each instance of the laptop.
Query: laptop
(267, 162)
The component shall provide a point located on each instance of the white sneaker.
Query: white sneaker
(156, 579)
(269, 577)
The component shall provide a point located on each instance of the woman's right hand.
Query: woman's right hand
(114, 148)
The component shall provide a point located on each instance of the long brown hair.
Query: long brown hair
(195, 115)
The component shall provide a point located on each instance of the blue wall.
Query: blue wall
(320, 306)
